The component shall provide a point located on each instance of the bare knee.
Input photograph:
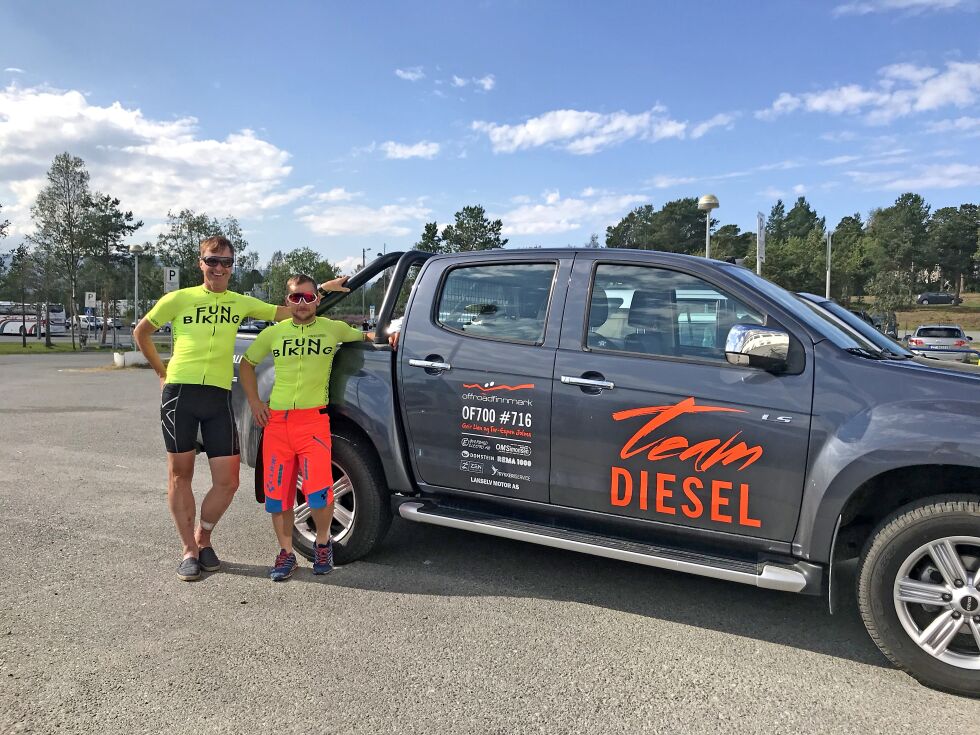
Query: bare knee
(226, 487)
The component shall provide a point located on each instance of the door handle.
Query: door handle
(430, 364)
(588, 382)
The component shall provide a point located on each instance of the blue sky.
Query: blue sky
(347, 125)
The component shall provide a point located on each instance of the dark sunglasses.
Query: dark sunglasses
(301, 297)
(213, 261)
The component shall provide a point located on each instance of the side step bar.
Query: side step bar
(768, 576)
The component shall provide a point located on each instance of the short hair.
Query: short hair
(214, 244)
(300, 278)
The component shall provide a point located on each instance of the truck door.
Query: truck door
(651, 421)
(476, 359)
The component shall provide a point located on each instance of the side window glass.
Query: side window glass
(508, 302)
(654, 311)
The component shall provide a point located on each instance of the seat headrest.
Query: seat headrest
(600, 309)
(647, 309)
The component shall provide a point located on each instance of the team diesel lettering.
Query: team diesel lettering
(302, 346)
(212, 315)
(686, 497)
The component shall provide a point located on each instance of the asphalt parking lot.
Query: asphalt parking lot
(439, 631)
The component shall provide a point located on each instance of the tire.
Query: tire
(906, 546)
(361, 492)
(924, 302)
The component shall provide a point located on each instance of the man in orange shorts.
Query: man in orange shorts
(296, 443)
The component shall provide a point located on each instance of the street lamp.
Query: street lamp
(364, 252)
(136, 250)
(706, 204)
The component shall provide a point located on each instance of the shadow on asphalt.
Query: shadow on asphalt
(423, 560)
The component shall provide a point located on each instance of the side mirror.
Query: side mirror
(757, 346)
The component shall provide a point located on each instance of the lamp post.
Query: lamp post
(830, 238)
(706, 204)
(136, 250)
(364, 252)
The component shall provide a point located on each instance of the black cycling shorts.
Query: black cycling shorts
(185, 407)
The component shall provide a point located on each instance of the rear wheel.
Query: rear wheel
(919, 592)
(362, 504)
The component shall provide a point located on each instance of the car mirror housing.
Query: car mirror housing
(756, 346)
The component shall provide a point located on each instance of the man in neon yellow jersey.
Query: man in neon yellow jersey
(196, 393)
(296, 443)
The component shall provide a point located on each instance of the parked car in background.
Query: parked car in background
(253, 326)
(942, 341)
(938, 297)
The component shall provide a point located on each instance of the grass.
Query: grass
(36, 347)
(967, 314)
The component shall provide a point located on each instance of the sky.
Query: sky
(342, 126)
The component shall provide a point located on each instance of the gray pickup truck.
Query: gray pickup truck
(665, 410)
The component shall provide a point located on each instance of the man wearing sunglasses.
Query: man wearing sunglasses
(296, 443)
(196, 393)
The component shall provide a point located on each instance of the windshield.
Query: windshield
(940, 332)
(813, 316)
(862, 327)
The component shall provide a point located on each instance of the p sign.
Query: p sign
(171, 279)
(90, 300)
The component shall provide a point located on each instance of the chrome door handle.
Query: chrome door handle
(587, 383)
(430, 365)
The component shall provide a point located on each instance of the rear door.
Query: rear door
(476, 359)
(651, 422)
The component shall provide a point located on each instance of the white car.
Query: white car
(942, 341)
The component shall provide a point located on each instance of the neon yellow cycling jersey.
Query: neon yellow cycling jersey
(303, 355)
(205, 325)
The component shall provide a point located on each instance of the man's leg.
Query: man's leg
(180, 498)
(224, 483)
(282, 523)
(322, 517)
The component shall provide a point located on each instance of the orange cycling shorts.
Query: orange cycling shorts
(296, 446)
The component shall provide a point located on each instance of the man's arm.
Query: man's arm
(250, 384)
(143, 335)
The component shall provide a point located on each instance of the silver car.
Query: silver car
(942, 341)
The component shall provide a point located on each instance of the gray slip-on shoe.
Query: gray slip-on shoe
(209, 560)
(189, 569)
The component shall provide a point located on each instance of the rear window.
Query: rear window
(939, 332)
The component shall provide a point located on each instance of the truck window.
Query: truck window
(653, 311)
(506, 302)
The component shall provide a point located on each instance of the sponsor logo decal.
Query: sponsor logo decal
(686, 497)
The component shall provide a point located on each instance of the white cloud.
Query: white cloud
(486, 82)
(412, 74)
(945, 176)
(348, 265)
(667, 182)
(723, 119)
(912, 7)
(772, 193)
(959, 125)
(422, 149)
(337, 194)
(799, 189)
(902, 90)
(152, 165)
(557, 215)
(14, 70)
(839, 160)
(357, 219)
(843, 136)
(580, 131)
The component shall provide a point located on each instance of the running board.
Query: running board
(768, 576)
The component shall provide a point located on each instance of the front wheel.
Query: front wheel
(919, 592)
(924, 302)
(362, 504)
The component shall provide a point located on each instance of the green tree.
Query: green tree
(20, 281)
(107, 227)
(901, 236)
(802, 219)
(301, 260)
(676, 228)
(430, 241)
(728, 242)
(60, 217)
(776, 223)
(890, 291)
(850, 265)
(179, 246)
(953, 239)
(472, 231)
(4, 226)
